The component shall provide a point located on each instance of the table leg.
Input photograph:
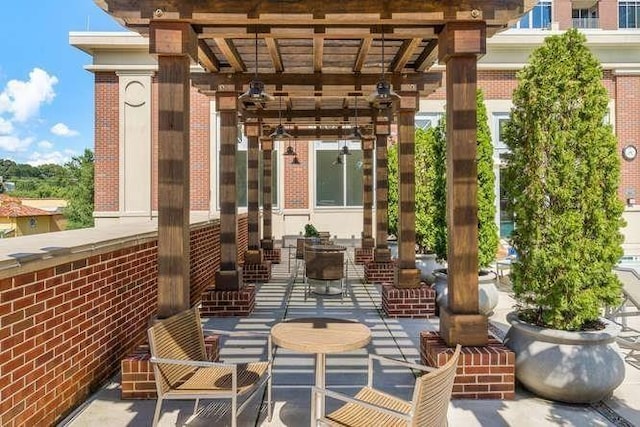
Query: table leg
(320, 365)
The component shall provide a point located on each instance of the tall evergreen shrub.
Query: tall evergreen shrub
(487, 228)
(562, 177)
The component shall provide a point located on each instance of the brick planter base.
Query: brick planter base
(379, 272)
(272, 255)
(486, 372)
(363, 256)
(418, 303)
(228, 303)
(138, 381)
(256, 273)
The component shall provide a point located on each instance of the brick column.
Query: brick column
(229, 278)
(460, 43)
(608, 14)
(175, 44)
(269, 252)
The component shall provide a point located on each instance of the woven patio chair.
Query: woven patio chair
(182, 372)
(372, 407)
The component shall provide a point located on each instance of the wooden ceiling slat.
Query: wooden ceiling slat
(230, 52)
(404, 54)
(207, 58)
(427, 57)
(318, 52)
(365, 45)
(274, 52)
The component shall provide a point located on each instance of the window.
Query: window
(585, 18)
(338, 184)
(505, 216)
(427, 120)
(241, 175)
(538, 17)
(629, 14)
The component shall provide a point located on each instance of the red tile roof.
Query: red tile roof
(12, 207)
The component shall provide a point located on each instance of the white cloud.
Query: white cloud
(24, 98)
(57, 157)
(61, 129)
(45, 145)
(14, 144)
(6, 128)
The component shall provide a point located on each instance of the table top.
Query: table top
(320, 335)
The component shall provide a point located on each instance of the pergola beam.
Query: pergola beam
(274, 52)
(230, 52)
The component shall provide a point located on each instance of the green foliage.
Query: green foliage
(487, 228)
(79, 211)
(424, 175)
(563, 177)
(310, 231)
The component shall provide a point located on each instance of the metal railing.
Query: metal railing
(586, 23)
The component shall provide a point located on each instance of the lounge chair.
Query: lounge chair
(369, 407)
(629, 338)
(182, 372)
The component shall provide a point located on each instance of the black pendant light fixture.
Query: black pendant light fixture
(255, 97)
(295, 160)
(356, 135)
(383, 97)
(280, 132)
(338, 160)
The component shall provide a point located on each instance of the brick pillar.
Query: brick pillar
(269, 252)
(561, 12)
(608, 14)
(460, 44)
(382, 130)
(175, 44)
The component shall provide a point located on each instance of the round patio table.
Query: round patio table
(322, 336)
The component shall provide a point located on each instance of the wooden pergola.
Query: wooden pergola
(317, 59)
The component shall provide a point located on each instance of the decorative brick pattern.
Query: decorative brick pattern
(256, 273)
(65, 328)
(138, 379)
(418, 303)
(228, 303)
(107, 145)
(483, 372)
(363, 256)
(379, 272)
(272, 255)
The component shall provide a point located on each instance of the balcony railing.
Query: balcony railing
(586, 23)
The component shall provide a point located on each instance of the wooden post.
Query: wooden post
(254, 253)
(407, 275)
(229, 278)
(367, 193)
(382, 130)
(267, 153)
(460, 44)
(175, 45)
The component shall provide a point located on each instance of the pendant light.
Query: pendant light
(383, 97)
(280, 132)
(338, 160)
(356, 135)
(255, 97)
(295, 160)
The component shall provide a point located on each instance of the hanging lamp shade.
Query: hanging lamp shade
(383, 97)
(280, 133)
(255, 97)
(338, 160)
(356, 135)
(345, 149)
(295, 160)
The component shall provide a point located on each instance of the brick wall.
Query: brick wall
(65, 328)
(296, 178)
(107, 139)
(628, 130)
(200, 144)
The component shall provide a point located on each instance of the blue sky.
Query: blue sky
(46, 96)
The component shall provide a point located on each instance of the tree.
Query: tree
(487, 227)
(79, 211)
(562, 176)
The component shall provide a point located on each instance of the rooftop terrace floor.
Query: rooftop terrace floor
(293, 373)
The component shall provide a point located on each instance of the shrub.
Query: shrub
(562, 176)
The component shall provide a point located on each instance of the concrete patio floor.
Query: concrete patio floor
(293, 372)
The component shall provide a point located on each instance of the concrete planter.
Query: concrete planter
(574, 367)
(487, 291)
(427, 263)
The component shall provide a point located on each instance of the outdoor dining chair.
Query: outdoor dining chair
(182, 372)
(629, 338)
(372, 407)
